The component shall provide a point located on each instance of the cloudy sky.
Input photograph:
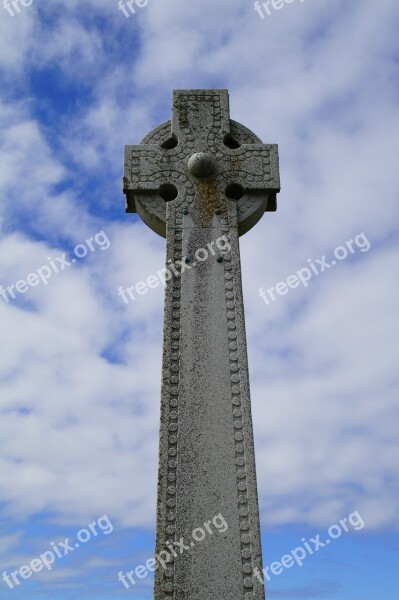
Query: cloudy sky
(80, 369)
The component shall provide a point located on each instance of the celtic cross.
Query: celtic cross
(196, 180)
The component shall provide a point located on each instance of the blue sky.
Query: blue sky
(80, 370)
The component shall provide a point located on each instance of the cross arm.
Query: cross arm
(255, 167)
(146, 168)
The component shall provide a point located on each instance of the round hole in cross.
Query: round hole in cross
(231, 142)
(235, 191)
(170, 143)
(168, 191)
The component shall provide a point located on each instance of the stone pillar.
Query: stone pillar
(202, 181)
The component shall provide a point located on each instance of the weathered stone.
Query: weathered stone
(193, 180)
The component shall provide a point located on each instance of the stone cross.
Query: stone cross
(197, 179)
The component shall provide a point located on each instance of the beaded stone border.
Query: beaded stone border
(236, 398)
(173, 413)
